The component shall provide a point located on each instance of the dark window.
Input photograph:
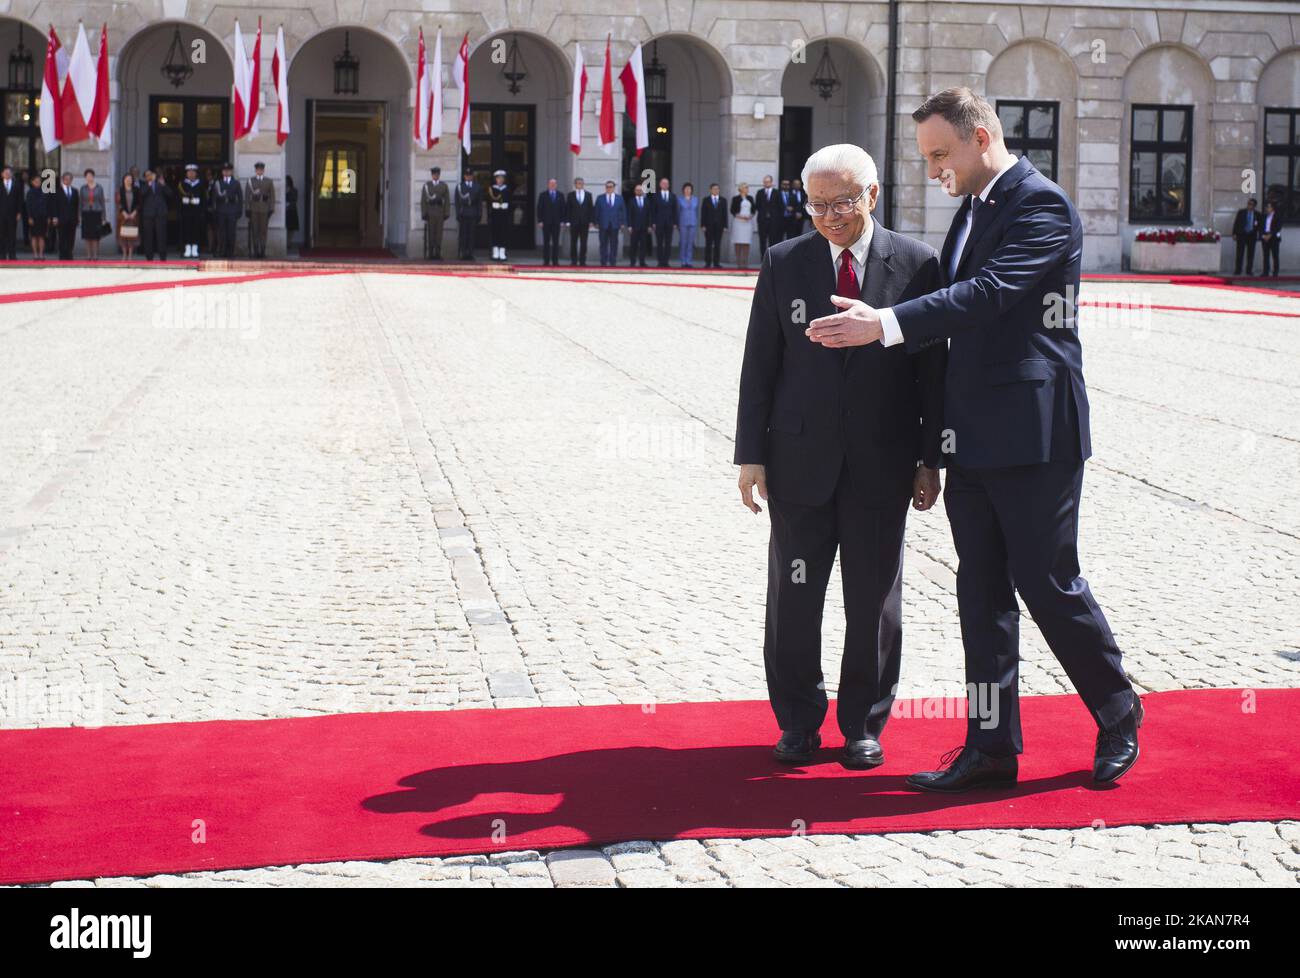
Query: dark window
(656, 157)
(1282, 160)
(796, 141)
(1030, 130)
(1160, 164)
(20, 133)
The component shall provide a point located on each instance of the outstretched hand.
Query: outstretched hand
(857, 324)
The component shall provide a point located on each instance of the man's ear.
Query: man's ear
(872, 196)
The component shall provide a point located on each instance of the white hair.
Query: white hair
(842, 159)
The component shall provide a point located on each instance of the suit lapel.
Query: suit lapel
(992, 209)
(950, 242)
(876, 273)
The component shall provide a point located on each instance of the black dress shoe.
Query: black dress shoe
(1117, 746)
(796, 748)
(862, 754)
(968, 768)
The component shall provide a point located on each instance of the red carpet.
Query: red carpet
(126, 800)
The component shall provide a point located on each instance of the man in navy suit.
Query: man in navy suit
(663, 218)
(611, 218)
(1016, 419)
(552, 209)
(638, 224)
(838, 442)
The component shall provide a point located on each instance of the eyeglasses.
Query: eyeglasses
(845, 205)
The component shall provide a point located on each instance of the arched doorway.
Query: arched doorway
(519, 122)
(350, 148)
(690, 131)
(20, 98)
(833, 93)
(168, 120)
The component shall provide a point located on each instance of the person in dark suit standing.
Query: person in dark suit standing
(1270, 236)
(581, 209)
(11, 201)
(792, 201)
(467, 202)
(1016, 415)
(551, 209)
(838, 442)
(66, 215)
(611, 218)
(155, 197)
(713, 218)
(227, 201)
(769, 222)
(663, 218)
(638, 223)
(1245, 231)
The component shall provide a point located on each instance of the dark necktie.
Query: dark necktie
(848, 281)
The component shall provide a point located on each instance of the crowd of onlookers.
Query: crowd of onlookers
(46, 220)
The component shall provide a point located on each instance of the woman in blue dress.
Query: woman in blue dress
(688, 219)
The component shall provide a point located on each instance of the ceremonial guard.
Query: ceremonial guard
(499, 202)
(192, 194)
(227, 201)
(261, 205)
(467, 200)
(435, 202)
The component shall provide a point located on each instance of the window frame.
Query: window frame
(1160, 146)
(1021, 144)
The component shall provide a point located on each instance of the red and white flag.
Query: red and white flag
(575, 103)
(460, 69)
(255, 84)
(101, 119)
(420, 120)
(632, 78)
(607, 140)
(280, 75)
(56, 64)
(435, 93)
(240, 96)
(78, 96)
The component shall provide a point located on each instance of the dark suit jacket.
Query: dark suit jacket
(467, 201)
(227, 198)
(768, 206)
(1276, 228)
(735, 204)
(610, 216)
(551, 214)
(663, 215)
(581, 215)
(805, 408)
(1239, 223)
(153, 202)
(1015, 392)
(638, 218)
(67, 207)
(713, 218)
(11, 203)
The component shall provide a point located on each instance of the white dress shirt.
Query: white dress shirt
(888, 321)
(858, 250)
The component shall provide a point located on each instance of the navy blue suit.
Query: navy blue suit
(609, 219)
(1016, 420)
(638, 223)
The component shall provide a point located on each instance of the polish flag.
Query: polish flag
(434, 132)
(56, 64)
(240, 95)
(280, 74)
(101, 118)
(575, 104)
(632, 78)
(420, 122)
(255, 84)
(79, 91)
(460, 69)
(607, 140)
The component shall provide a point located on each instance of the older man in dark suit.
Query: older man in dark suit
(838, 443)
(1017, 409)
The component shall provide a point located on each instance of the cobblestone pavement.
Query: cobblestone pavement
(380, 492)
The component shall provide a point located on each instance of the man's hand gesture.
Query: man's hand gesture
(857, 324)
(751, 476)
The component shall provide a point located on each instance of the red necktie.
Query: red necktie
(848, 283)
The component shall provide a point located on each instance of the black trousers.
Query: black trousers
(1017, 529)
(640, 241)
(608, 246)
(1246, 247)
(551, 243)
(9, 239)
(1271, 248)
(153, 235)
(712, 247)
(464, 238)
(226, 224)
(67, 240)
(801, 553)
(191, 226)
(663, 243)
(578, 244)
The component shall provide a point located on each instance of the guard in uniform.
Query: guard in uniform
(435, 202)
(467, 200)
(499, 214)
(227, 200)
(192, 193)
(261, 205)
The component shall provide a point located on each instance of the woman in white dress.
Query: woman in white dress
(742, 224)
